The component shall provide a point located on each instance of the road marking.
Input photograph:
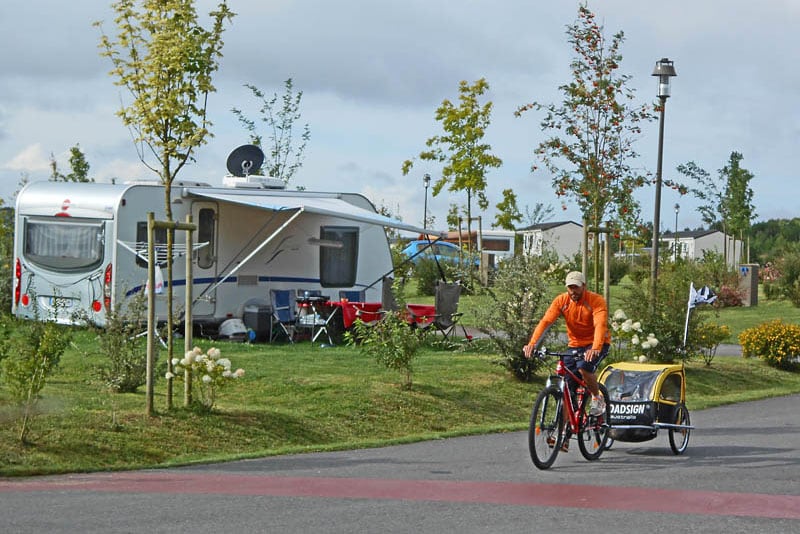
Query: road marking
(508, 493)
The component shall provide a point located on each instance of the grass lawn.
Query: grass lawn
(299, 397)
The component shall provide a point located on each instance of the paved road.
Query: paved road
(741, 473)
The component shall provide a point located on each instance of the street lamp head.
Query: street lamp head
(677, 208)
(664, 70)
(426, 180)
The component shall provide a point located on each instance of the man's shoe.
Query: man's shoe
(551, 440)
(598, 406)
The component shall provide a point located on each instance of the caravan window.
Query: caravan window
(65, 244)
(205, 234)
(338, 256)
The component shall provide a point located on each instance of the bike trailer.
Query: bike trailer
(644, 398)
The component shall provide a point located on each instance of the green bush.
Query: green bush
(789, 281)
(427, 273)
(391, 342)
(518, 300)
(776, 342)
(618, 269)
(668, 320)
(28, 359)
(125, 350)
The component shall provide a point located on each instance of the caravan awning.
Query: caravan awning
(324, 205)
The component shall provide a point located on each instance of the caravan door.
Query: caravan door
(206, 265)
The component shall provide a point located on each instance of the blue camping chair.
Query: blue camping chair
(283, 311)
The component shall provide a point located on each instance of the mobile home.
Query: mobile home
(80, 249)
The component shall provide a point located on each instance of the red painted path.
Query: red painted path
(508, 493)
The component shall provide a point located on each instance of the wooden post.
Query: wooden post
(187, 333)
(152, 224)
(151, 312)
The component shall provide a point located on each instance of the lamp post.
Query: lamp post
(426, 181)
(664, 70)
(677, 209)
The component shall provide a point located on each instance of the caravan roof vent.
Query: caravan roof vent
(253, 182)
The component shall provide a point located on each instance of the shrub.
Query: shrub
(427, 273)
(775, 342)
(708, 337)
(729, 297)
(124, 348)
(629, 339)
(772, 291)
(517, 302)
(208, 372)
(789, 281)
(28, 359)
(668, 320)
(618, 269)
(391, 342)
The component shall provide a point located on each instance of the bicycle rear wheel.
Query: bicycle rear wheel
(593, 434)
(546, 429)
(679, 438)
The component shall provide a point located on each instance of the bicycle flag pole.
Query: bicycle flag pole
(705, 295)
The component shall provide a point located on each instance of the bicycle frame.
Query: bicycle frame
(566, 394)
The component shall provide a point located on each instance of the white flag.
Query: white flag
(705, 295)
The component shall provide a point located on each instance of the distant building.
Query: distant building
(692, 245)
(563, 237)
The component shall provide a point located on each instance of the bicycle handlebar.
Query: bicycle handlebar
(542, 353)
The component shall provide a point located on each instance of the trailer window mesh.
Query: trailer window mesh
(64, 245)
(338, 256)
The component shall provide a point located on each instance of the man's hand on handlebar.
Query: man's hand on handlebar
(591, 355)
(531, 350)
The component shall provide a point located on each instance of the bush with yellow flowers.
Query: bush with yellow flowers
(775, 342)
(707, 337)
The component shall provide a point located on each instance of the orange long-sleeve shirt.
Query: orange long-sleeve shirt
(587, 320)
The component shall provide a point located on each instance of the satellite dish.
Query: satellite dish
(245, 160)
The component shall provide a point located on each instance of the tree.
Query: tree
(165, 59)
(507, 211)
(540, 213)
(78, 165)
(467, 158)
(728, 199)
(593, 130)
(283, 158)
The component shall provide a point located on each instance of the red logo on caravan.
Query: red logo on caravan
(64, 207)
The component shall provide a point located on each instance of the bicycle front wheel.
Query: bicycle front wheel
(546, 429)
(593, 434)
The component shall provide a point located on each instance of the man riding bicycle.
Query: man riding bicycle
(586, 317)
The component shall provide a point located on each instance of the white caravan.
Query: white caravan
(81, 248)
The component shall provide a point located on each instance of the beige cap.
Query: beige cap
(575, 278)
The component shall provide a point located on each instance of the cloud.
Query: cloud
(32, 158)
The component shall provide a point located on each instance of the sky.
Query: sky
(373, 72)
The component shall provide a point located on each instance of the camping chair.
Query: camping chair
(447, 315)
(283, 306)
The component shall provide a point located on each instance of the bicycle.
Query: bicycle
(566, 394)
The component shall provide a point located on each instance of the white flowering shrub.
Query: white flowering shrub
(209, 373)
(629, 338)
